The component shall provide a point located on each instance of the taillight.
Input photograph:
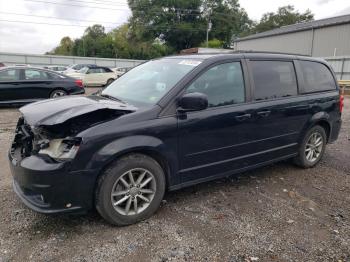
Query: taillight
(79, 83)
(341, 103)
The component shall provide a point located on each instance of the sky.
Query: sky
(27, 36)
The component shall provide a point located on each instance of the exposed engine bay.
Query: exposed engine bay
(58, 141)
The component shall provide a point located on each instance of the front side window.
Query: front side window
(9, 75)
(223, 84)
(147, 83)
(317, 77)
(30, 74)
(273, 79)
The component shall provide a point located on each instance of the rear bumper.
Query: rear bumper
(50, 187)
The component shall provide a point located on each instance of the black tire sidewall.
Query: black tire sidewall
(110, 176)
(57, 90)
(109, 81)
(302, 157)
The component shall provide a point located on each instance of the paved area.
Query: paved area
(275, 213)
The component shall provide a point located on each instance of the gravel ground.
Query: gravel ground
(276, 213)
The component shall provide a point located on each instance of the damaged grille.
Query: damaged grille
(27, 141)
(24, 139)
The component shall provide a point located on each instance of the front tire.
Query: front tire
(312, 148)
(130, 190)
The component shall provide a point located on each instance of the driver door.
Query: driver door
(213, 141)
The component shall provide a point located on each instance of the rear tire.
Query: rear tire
(130, 190)
(109, 81)
(58, 93)
(312, 147)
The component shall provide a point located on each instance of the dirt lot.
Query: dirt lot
(276, 213)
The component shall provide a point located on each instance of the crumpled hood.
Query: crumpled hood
(57, 111)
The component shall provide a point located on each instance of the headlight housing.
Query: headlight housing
(62, 149)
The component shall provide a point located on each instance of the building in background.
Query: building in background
(327, 38)
(320, 38)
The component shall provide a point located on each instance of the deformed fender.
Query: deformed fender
(135, 143)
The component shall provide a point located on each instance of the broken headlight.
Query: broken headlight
(62, 149)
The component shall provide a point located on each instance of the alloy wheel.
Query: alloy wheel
(133, 192)
(58, 94)
(314, 147)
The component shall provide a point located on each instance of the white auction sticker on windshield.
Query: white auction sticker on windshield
(190, 62)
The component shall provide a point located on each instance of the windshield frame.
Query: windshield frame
(199, 60)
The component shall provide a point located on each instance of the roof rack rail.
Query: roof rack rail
(268, 52)
(243, 52)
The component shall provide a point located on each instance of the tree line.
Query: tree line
(161, 27)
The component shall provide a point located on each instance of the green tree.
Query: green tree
(285, 15)
(228, 20)
(65, 47)
(179, 23)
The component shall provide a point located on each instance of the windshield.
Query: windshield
(146, 84)
(83, 70)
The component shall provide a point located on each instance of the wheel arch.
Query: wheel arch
(149, 146)
(322, 119)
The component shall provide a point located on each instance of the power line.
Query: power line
(66, 4)
(118, 9)
(70, 19)
(42, 23)
(101, 3)
(149, 27)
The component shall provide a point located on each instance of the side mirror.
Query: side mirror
(193, 102)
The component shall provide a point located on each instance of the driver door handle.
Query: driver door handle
(243, 117)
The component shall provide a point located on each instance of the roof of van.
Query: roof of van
(247, 54)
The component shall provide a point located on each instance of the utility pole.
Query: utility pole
(208, 30)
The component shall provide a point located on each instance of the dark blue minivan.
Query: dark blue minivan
(171, 123)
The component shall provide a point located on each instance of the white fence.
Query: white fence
(45, 60)
(341, 66)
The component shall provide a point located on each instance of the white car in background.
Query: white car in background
(95, 76)
(76, 68)
(57, 69)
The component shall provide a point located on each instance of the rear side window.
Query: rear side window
(30, 74)
(273, 79)
(9, 75)
(317, 77)
(106, 70)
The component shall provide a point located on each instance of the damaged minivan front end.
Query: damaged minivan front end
(46, 143)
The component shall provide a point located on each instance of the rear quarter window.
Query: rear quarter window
(317, 77)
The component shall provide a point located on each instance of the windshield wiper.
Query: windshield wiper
(112, 98)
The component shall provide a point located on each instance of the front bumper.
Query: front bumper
(51, 187)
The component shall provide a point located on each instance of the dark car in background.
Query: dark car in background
(28, 84)
(170, 123)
